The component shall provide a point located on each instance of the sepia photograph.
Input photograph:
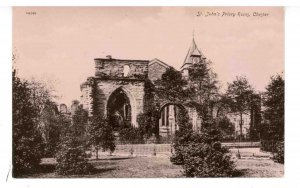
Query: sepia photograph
(148, 92)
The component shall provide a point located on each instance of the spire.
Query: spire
(192, 52)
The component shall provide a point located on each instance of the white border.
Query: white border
(149, 3)
(292, 49)
(5, 90)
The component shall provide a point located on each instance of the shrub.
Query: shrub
(147, 123)
(177, 156)
(27, 154)
(279, 154)
(182, 137)
(226, 128)
(71, 159)
(208, 160)
(101, 135)
(130, 135)
(202, 155)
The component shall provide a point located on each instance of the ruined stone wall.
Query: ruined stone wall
(110, 76)
(114, 68)
(155, 71)
(134, 89)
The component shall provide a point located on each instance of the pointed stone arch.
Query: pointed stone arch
(131, 100)
(169, 112)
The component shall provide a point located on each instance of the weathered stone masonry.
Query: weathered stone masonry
(121, 90)
(111, 75)
(134, 89)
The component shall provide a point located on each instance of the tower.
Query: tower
(194, 55)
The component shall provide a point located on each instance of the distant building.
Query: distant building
(74, 106)
(63, 108)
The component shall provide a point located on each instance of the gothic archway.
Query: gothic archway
(121, 108)
(168, 121)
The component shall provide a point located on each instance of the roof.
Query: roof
(155, 60)
(193, 51)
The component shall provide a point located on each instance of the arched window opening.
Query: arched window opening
(126, 70)
(168, 122)
(119, 110)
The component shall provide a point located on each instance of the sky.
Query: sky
(59, 44)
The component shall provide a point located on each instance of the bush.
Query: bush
(202, 155)
(177, 156)
(71, 159)
(147, 122)
(181, 140)
(226, 128)
(182, 137)
(208, 160)
(27, 154)
(279, 154)
(130, 135)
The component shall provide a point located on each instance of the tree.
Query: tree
(80, 123)
(41, 93)
(201, 154)
(27, 140)
(49, 127)
(239, 93)
(70, 153)
(42, 97)
(172, 87)
(148, 120)
(226, 127)
(256, 117)
(71, 157)
(146, 123)
(107, 138)
(182, 138)
(274, 107)
(204, 87)
(100, 131)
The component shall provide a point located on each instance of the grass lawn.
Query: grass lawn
(260, 168)
(157, 167)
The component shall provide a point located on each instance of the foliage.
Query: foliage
(226, 127)
(208, 160)
(172, 87)
(256, 117)
(274, 104)
(107, 138)
(41, 93)
(101, 135)
(279, 154)
(203, 87)
(131, 135)
(49, 126)
(147, 122)
(99, 131)
(182, 137)
(239, 93)
(71, 158)
(210, 132)
(149, 119)
(201, 154)
(80, 122)
(27, 140)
